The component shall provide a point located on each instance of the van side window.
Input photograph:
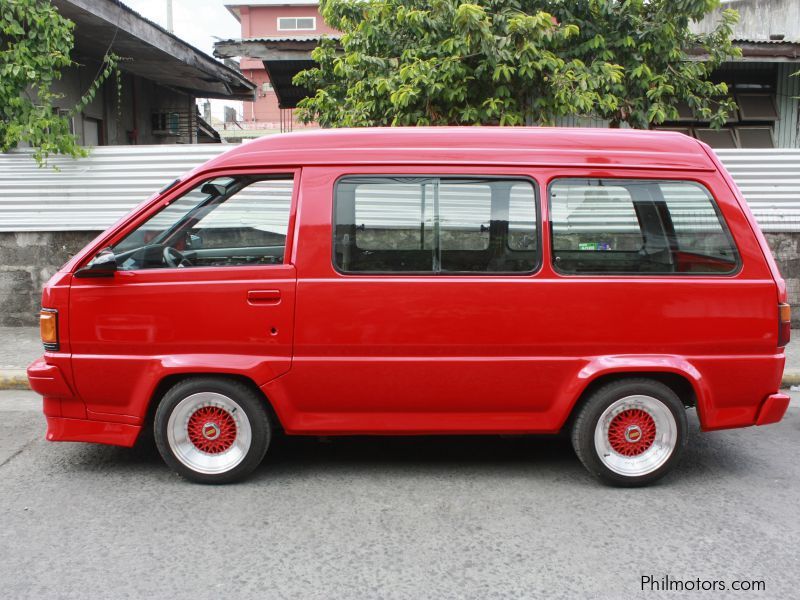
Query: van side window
(435, 225)
(626, 226)
(223, 222)
(401, 226)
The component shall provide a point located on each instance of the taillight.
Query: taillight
(48, 328)
(784, 324)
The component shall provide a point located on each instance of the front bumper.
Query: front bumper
(66, 413)
(60, 429)
(47, 380)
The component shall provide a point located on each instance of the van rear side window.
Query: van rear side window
(433, 225)
(630, 226)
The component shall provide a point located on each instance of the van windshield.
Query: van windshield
(226, 221)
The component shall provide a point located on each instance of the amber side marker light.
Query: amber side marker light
(48, 328)
(784, 324)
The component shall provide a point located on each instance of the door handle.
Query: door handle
(264, 296)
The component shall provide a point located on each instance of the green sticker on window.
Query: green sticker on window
(594, 246)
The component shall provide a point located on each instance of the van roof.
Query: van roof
(541, 146)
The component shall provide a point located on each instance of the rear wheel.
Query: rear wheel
(630, 432)
(212, 430)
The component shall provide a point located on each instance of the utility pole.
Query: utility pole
(169, 16)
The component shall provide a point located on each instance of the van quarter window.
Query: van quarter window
(627, 226)
(435, 225)
(222, 222)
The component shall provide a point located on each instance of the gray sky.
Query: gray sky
(196, 22)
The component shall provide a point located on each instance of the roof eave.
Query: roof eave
(127, 32)
(758, 51)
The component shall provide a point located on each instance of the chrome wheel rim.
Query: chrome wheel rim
(636, 435)
(209, 433)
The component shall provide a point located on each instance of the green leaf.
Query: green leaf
(36, 45)
(509, 62)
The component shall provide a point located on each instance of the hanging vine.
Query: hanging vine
(35, 46)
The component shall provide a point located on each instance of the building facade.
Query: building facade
(762, 82)
(278, 20)
(161, 78)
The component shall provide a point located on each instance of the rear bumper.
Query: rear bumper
(772, 409)
(60, 429)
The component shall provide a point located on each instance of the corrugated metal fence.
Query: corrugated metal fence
(770, 182)
(91, 193)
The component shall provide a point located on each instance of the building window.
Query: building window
(756, 137)
(757, 107)
(717, 138)
(297, 23)
(166, 123)
(632, 226)
(433, 225)
(66, 114)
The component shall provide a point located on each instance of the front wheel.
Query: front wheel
(630, 432)
(212, 430)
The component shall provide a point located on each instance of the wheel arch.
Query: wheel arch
(677, 374)
(169, 380)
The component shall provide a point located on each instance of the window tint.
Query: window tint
(465, 211)
(391, 214)
(522, 228)
(226, 221)
(638, 226)
(435, 225)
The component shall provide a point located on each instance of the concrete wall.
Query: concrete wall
(264, 110)
(786, 250)
(28, 260)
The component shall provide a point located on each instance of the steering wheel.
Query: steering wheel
(173, 258)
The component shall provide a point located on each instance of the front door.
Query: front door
(203, 285)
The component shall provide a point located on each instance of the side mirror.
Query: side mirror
(214, 189)
(102, 265)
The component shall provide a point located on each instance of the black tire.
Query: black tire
(590, 412)
(249, 454)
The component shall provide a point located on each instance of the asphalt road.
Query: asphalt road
(393, 518)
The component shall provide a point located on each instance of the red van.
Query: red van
(423, 281)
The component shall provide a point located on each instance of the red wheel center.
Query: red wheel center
(212, 429)
(632, 432)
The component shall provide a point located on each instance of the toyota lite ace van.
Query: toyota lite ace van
(423, 281)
